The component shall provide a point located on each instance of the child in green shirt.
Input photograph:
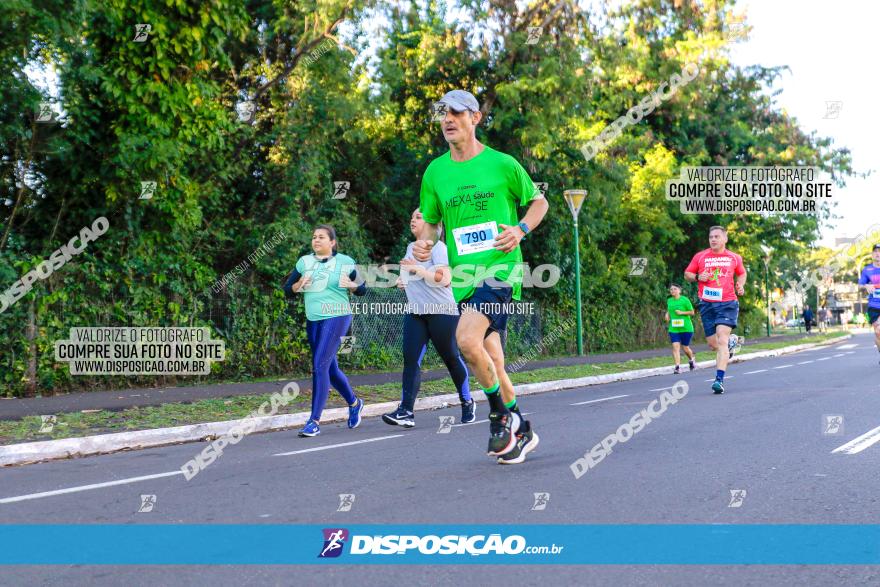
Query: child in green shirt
(678, 313)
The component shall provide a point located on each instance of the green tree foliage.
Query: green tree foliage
(342, 92)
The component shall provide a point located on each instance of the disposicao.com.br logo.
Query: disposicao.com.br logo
(431, 544)
(334, 540)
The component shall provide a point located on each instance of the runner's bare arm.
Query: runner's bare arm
(422, 247)
(741, 284)
(440, 276)
(510, 236)
(303, 283)
(704, 276)
(536, 212)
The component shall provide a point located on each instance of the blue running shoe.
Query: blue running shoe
(354, 413)
(468, 412)
(718, 387)
(310, 429)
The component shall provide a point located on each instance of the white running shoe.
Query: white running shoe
(734, 343)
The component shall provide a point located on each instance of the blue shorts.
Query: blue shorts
(718, 313)
(492, 303)
(682, 337)
(873, 314)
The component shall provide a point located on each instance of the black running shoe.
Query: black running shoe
(400, 417)
(468, 412)
(677, 370)
(502, 433)
(692, 365)
(526, 442)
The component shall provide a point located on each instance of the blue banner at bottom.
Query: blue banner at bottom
(270, 544)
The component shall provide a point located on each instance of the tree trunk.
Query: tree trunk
(31, 376)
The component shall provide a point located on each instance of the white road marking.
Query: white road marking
(88, 487)
(848, 346)
(837, 355)
(849, 353)
(471, 423)
(806, 362)
(601, 399)
(783, 366)
(725, 377)
(662, 388)
(857, 445)
(340, 445)
(758, 371)
(823, 359)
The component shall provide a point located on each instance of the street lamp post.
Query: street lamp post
(575, 198)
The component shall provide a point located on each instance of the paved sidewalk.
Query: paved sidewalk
(15, 409)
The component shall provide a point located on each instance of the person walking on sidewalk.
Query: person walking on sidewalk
(678, 313)
(714, 268)
(475, 190)
(325, 279)
(432, 314)
(808, 318)
(870, 280)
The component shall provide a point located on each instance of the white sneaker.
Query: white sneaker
(732, 343)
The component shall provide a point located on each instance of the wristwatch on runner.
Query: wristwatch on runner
(525, 228)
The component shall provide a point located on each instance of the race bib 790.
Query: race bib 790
(678, 322)
(475, 238)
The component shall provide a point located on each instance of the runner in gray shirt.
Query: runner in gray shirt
(432, 314)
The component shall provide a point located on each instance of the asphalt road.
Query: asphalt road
(766, 436)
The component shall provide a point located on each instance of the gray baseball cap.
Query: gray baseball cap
(460, 100)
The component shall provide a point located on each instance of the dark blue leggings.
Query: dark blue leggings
(439, 329)
(324, 341)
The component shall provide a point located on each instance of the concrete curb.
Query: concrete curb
(34, 452)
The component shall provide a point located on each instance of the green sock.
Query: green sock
(495, 403)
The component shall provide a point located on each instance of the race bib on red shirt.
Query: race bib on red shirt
(722, 267)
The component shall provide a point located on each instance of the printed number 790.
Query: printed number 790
(474, 237)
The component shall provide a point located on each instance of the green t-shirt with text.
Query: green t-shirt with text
(473, 198)
(679, 323)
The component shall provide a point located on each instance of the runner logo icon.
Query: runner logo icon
(334, 540)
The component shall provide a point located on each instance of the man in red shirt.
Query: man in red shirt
(715, 269)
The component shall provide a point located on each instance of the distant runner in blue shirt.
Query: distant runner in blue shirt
(870, 280)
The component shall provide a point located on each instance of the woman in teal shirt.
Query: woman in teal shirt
(325, 278)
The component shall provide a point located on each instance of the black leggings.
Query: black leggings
(439, 329)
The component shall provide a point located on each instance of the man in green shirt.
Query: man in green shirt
(475, 190)
(678, 313)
